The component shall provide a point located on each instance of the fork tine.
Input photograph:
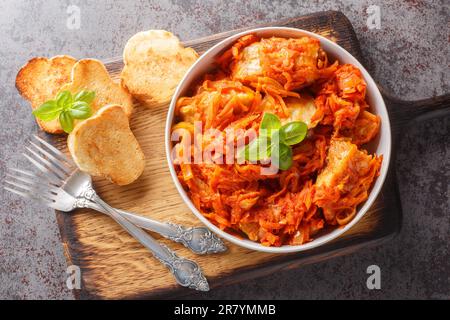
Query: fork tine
(49, 174)
(31, 196)
(20, 193)
(34, 186)
(34, 180)
(23, 179)
(29, 174)
(49, 187)
(55, 151)
(28, 185)
(53, 159)
(50, 165)
(36, 192)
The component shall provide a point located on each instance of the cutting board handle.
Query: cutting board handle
(403, 112)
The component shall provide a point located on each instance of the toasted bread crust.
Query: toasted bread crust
(104, 146)
(91, 74)
(155, 61)
(40, 80)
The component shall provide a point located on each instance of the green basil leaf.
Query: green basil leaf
(251, 150)
(286, 162)
(282, 156)
(66, 121)
(47, 111)
(80, 110)
(85, 95)
(269, 123)
(254, 151)
(64, 99)
(293, 132)
(243, 153)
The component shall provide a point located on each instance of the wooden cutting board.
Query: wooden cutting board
(115, 266)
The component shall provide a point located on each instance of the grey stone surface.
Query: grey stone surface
(409, 55)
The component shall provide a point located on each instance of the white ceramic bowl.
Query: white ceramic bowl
(380, 145)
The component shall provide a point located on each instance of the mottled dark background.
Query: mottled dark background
(409, 56)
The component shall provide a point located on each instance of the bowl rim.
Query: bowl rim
(336, 233)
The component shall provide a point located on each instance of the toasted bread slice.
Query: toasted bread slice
(155, 61)
(104, 146)
(91, 74)
(40, 80)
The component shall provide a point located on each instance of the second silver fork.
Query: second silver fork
(54, 188)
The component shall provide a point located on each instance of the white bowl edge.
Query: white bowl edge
(375, 101)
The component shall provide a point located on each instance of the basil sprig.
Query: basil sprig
(275, 141)
(66, 107)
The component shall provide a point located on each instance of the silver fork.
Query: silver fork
(48, 188)
(198, 239)
(29, 185)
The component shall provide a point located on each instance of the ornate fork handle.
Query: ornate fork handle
(186, 272)
(198, 239)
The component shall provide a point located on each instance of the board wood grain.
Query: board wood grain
(115, 266)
